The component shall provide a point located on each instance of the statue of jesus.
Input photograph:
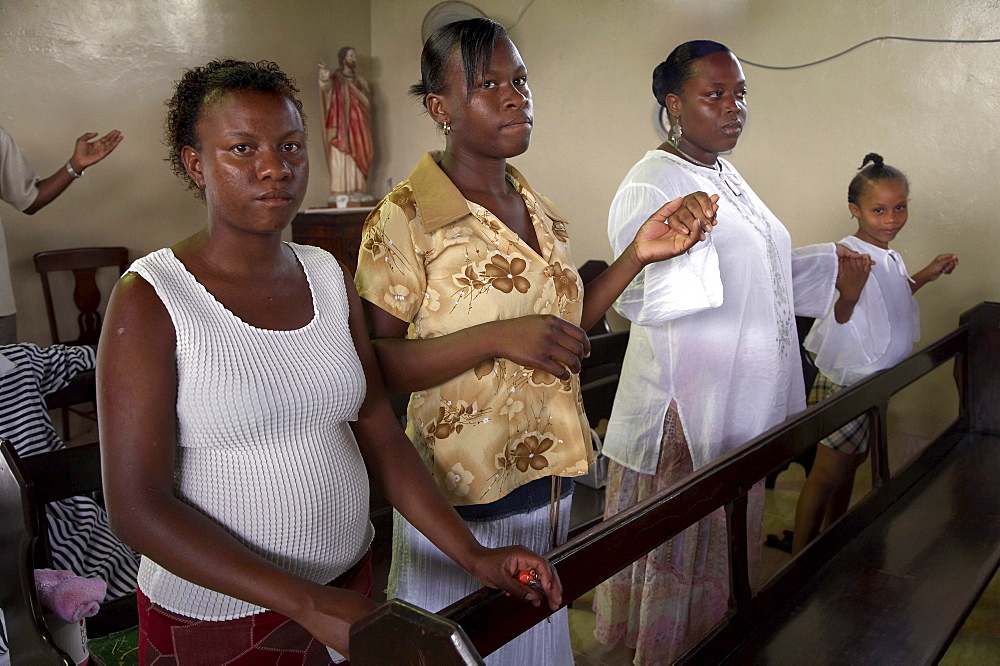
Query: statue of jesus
(347, 137)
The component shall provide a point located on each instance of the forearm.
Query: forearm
(920, 279)
(602, 291)
(52, 187)
(411, 490)
(843, 309)
(194, 547)
(413, 365)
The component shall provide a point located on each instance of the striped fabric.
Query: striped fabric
(264, 444)
(424, 576)
(79, 536)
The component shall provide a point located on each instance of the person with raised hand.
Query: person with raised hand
(478, 311)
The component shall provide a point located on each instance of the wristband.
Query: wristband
(72, 171)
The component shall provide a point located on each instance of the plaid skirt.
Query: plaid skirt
(852, 438)
(255, 640)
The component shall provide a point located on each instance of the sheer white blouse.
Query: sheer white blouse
(882, 329)
(712, 330)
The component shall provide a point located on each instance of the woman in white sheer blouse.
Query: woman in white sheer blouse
(713, 358)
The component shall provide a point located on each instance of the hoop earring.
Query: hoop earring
(446, 126)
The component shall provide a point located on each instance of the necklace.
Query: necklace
(732, 179)
(716, 166)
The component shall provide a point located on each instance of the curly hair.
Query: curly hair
(198, 86)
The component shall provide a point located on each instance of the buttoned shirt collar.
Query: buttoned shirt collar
(441, 203)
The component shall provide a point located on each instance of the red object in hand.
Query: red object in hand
(527, 576)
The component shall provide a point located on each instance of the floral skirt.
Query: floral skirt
(255, 640)
(667, 600)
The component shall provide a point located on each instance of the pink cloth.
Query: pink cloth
(69, 596)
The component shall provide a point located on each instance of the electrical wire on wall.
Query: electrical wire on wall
(869, 41)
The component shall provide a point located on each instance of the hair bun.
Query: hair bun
(874, 158)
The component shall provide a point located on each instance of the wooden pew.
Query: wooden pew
(890, 611)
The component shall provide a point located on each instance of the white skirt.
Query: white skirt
(424, 576)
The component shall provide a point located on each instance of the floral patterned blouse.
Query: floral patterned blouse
(432, 258)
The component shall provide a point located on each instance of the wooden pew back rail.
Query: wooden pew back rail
(918, 548)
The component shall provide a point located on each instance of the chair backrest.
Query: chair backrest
(28, 637)
(83, 262)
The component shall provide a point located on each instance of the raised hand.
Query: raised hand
(853, 270)
(498, 568)
(675, 227)
(943, 264)
(852, 274)
(89, 152)
(543, 342)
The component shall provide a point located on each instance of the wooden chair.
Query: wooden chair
(26, 486)
(84, 263)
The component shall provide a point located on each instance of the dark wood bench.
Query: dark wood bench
(891, 582)
(26, 486)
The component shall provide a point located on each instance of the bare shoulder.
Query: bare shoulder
(136, 312)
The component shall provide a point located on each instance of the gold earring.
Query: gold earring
(446, 126)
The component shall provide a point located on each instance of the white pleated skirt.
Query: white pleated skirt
(424, 576)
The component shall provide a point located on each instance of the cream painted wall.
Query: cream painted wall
(94, 65)
(933, 110)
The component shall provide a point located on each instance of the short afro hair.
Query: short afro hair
(199, 85)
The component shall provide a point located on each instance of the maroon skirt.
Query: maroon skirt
(256, 640)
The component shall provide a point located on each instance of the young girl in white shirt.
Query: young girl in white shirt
(872, 327)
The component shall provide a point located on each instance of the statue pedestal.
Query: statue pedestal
(354, 200)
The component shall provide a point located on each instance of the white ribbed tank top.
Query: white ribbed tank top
(263, 443)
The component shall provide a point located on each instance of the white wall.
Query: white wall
(94, 65)
(932, 110)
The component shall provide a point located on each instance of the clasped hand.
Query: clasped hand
(676, 227)
(543, 342)
(853, 269)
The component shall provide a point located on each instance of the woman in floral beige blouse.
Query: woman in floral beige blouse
(477, 309)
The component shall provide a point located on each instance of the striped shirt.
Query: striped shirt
(79, 537)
